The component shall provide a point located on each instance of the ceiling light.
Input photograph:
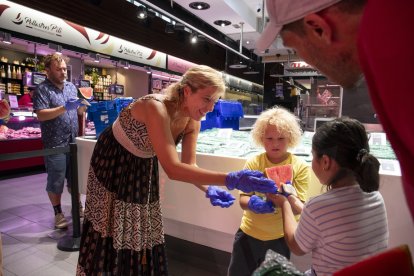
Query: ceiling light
(201, 37)
(124, 64)
(193, 38)
(222, 23)
(5, 37)
(95, 57)
(237, 63)
(253, 69)
(56, 47)
(179, 26)
(142, 12)
(199, 5)
(169, 28)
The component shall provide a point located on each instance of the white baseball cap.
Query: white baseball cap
(282, 12)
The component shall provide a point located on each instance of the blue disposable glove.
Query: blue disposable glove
(260, 206)
(250, 181)
(288, 189)
(219, 197)
(72, 104)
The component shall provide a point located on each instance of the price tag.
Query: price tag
(224, 133)
(377, 138)
(13, 101)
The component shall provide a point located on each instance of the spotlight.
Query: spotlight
(179, 26)
(193, 38)
(95, 57)
(5, 37)
(169, 28)
(124, 64)
(56, 47)
(258, 7)
(237, 63)
(199, 5)
(142, 12)
(222, 23)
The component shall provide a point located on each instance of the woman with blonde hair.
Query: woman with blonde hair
(122, 230)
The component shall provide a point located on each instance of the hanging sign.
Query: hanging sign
(179, 65)
(24, 20)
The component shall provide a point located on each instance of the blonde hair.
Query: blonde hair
(285, 122)
(197, 77)
(48, 59)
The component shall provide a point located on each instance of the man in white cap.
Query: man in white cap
(348, 39)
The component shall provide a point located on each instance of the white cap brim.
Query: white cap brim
(267, 37)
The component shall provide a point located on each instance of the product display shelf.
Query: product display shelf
(21, 133)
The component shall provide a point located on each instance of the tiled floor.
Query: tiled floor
(28, 236)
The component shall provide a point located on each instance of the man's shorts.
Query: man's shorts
(57, 169)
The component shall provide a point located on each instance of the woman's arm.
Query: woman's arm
(157, 121)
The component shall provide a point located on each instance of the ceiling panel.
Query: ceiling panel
(236, 11)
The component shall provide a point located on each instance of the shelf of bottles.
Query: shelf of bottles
(11, 78)
(100, 82)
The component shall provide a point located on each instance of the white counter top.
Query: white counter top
(189, 215)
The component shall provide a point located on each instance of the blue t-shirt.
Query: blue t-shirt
(62, 130)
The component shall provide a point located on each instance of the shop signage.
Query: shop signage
(24, 20)
(178, 65)
(299, 64)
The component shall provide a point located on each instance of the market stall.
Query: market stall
(189, 215)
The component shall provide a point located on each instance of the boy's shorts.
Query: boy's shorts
(57, 169)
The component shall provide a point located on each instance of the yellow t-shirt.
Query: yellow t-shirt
(270, 226)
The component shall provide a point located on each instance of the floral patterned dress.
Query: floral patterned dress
(122, 229)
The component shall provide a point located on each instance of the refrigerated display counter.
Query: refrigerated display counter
(21, 133)
(188, 214)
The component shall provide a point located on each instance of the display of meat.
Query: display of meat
(24, 133)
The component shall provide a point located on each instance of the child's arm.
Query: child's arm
(244, 201)
(289, 222)
(296, 204)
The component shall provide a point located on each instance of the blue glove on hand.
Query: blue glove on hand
(250, 181)
(219, 197)
(72, 104)
(260, 206)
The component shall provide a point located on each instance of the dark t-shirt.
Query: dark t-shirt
(62, 130)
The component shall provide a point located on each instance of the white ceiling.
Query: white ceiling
(236, 11)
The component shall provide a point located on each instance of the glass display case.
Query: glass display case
(324, 103)
(20, 133)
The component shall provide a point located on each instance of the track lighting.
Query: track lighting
(56, 47)
(124, 64)
(95, 57)
(193, 38)
(169, 28)
(5, 37)
(142, 12)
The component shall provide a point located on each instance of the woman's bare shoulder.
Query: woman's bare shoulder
(152, 105)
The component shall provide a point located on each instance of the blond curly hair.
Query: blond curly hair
(285, 122)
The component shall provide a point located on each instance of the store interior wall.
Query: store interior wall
(135, 82)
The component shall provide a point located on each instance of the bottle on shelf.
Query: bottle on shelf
(14, 74)
(2, 72)
(19, 73)
(9, 74)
